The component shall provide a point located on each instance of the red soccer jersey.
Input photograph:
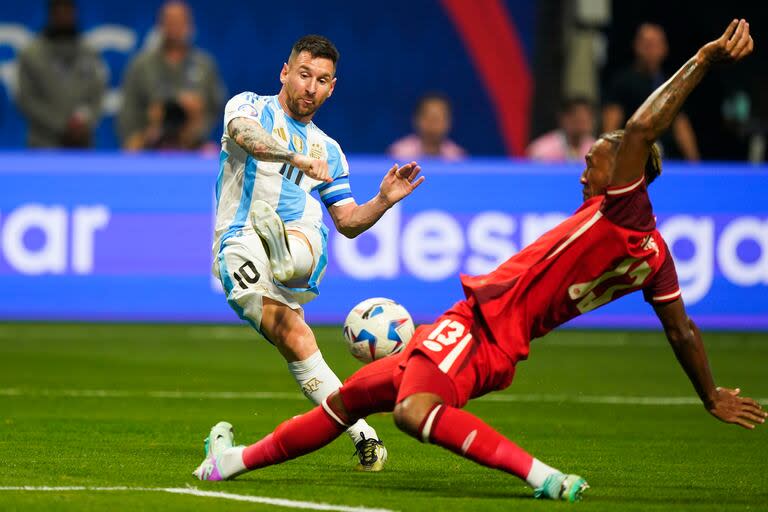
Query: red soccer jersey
(610, 247)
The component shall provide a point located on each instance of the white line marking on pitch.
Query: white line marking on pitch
(192, 491)
(597, 400)
(116, 393)
(282, 395)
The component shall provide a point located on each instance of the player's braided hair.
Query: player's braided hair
(652, 165)
(317, 46)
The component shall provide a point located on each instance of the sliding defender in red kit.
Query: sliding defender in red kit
(609, 248)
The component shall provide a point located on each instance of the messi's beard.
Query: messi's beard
(294, 105)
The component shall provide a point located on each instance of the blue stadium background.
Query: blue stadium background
(146, 253)
(114, 237)
(389, 52)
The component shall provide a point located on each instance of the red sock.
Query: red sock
(470, 437)
(292, 438)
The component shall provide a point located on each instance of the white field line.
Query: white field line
(279, 395)
(613, 342)
(596, 400)
(116, 393)
(192, 491)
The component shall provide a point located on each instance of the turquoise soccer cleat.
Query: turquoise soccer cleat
(208, 470)
(221, 437)
(562, 487)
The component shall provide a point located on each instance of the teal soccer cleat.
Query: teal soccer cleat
(221, 437)
(562, 487)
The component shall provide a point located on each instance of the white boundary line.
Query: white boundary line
(596, 400)
(116, 393)
(281, 395)
(192, 491)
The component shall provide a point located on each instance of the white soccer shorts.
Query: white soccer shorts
(243, 268)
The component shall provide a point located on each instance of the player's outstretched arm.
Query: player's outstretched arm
(258, 143)
(656, 114)
(352, 219)
(685, 338)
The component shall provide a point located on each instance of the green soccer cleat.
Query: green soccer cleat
(562, 487)
(222, 436)
(371, 453)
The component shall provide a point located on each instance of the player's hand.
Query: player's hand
(312, 167)
(732, 46)
(399, 182)
(732, 408)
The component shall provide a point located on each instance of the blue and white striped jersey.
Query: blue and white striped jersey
(242, 178)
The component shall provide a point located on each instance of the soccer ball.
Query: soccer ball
(377, 328)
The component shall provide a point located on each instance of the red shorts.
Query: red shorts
(453, 359)
(450, 358)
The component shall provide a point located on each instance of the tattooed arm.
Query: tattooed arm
(258, 143)
(255, 140)
(656, 114)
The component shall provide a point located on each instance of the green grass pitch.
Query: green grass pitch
(124, 405)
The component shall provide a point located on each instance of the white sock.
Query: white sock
(538, 473)
(231, 462)
(317, 381)
(303, 261)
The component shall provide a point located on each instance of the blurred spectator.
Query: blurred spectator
(432, 122)
(574, 137)
(61, 83)
(631, 86)
(172, 94)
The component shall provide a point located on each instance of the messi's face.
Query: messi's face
(307, 82)
(597, 176)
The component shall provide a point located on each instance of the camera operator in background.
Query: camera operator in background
(172, 93)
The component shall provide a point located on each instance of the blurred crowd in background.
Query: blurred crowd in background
(604, 59)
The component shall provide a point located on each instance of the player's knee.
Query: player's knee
(301, 252)
(409, 415)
